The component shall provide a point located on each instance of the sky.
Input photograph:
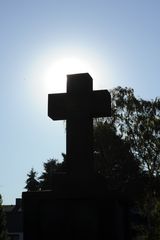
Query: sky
(41, 41)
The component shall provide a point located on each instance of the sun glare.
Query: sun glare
(56, 73)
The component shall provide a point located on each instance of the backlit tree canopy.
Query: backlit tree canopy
(137, 121)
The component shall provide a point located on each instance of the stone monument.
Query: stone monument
(79, 106)
(78, 206)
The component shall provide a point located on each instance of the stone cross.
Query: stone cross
(78, 107)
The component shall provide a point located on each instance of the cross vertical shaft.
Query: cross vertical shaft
(80, 127)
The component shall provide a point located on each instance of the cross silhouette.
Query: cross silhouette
(78, 107)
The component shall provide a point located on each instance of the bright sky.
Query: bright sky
(116, 41)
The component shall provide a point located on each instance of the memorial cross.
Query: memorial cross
(78, 107)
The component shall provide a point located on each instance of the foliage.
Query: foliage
(51, 167)
(3, 230)
(31, 183)
(114, 160)
(137, 122)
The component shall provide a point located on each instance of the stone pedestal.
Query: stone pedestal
(74, 211)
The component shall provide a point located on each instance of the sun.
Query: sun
(58, 70)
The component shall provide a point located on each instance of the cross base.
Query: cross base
(82, 214)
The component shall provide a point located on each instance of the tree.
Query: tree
(114, 160)
(3, 230)
(51, 167)
(31, 183)
(137, 122)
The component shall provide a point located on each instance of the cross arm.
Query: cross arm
(57, 106)
(101, 104)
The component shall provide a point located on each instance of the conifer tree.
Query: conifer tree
(31, 183)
